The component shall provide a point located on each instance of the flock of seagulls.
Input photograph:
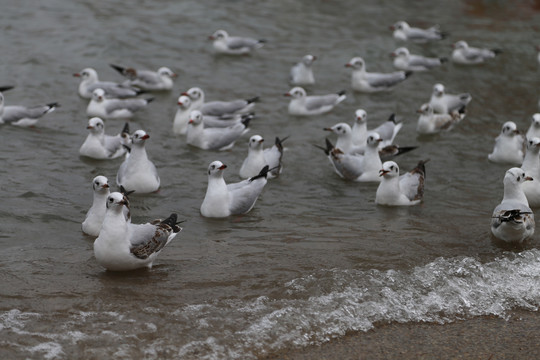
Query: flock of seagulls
(359, 154)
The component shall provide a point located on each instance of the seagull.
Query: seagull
(531, 166)
(90, 82)
(387, 130)
(403, 60)
(345, 139)
(534, 128)
(370, 82)
(513, 220)
(443, 103)
(100, 146)
(357, 167)
(303, 105)
(137, 173)
(402, 31)
(301, 73)
(123, 246)
(162, 79)
(431, 123)
(508, 145)
(222, 200)
(23, 116)
(95, 215)
(234, 45)
(258, 158)
(213, 138)
(467, 55)
(106, 108)
(219, 108)
(404, 190)
(181, 117)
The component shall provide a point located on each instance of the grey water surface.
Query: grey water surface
(315, 258)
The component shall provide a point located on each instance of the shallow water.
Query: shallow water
(316, 257)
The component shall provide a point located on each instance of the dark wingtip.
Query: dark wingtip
(246, 121)
(118, 68)
(6, 88)
(443, 59)
(408, 73)
(262, 174)
(125, 130)
(53, 105)
(392, 118)
(497, 51)
(279, 142)
(149, 100)
(124, 192)
(342, 92)
(173, 222)
(405, 149)
(263, 41)
(253, 99)
(421, 166)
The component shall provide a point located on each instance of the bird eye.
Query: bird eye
(97, 182)
(111, 200)
(392, 167)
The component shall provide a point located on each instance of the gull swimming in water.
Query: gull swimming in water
(302, 73)
(370, 82)
(387, 130)
(404, 60)
(222, 200)
(534, 128)
(137, 172)
(234, 45)
(123, 246)
(223, 109)
(403, 31)
(531, 166)
(508, 145)
(404, 190)
(258, 158)
(431, 123)
(467, 55)
(162, 79)
(513, 220)
(443, 103)
(90, 82)
(99, 145)
(107, 108)
(303, 105)
(95, 215)
(213, 138)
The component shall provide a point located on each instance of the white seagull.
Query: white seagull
(181, 117)
(23, 116)
(404, 190)
(387, 130)
(302, 73)
(513, 220)
(431, 123)
(531, 166)
(370, 82)
(222, 200)
(95, 215)
(107, 108)
(162, 79)
(213, 138)
(302, 105)
(403, 31)
(404, 60)
(258, 158)
(467, 55)
(224, 109)
(234, 45)
(99, 145)
(534, 128)
(443, 103)
(357, 167)
(123, 246)
(508, 145)
(137, 173)
(90, 82)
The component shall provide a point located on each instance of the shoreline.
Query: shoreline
(486, 337)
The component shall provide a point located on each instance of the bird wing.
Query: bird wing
(218, 108)
(150, 238)
(385, 80)
(244, 194)
(319, 101)
(236, 42)
(217, 138)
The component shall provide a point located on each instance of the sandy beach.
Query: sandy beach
(479, 338)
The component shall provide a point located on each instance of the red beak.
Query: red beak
(145, 137)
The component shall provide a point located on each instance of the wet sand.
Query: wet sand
(479, 338)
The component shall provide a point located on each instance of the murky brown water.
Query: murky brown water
(316, 257)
